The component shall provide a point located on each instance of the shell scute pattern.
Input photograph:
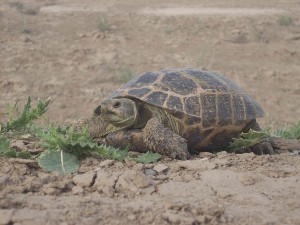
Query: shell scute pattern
(208, 109)
(178, 83)
(214, 99)
(224, 109)
(192, 105)
(156, 98)
(175, 103)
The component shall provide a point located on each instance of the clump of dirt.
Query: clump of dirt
(217, 189)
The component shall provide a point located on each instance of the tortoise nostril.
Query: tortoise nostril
(97, 111)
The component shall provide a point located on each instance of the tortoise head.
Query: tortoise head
(121, 112)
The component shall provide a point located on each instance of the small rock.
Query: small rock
(5, 216)
(26, 136)
(150, 172)
(199, 165)
(84, 180)
(272, 174)
(50, 190)
(148, 166)
(222, 154)
(3, 181)
(133, 181)
(250, 155)
(77, 190)
(206, 155)
(105, 182)
(129, 162)
(247, 180)
(159, 168)
(106, 162)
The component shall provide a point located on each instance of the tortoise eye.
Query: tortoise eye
(117, 105)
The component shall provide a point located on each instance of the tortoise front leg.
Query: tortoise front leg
(264, 146)
(160, 139)
(154, 137)
(132, 139)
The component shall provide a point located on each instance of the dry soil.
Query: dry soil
(78, 52)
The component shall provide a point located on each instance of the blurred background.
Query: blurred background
(78, 52)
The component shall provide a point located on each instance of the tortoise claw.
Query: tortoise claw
(264, 147)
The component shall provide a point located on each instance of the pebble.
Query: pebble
(246, 155)
(222, 154)
(3, 181)
(133, 181)
(247, 180)
(106, 162)
(159, 168)
(206, 155)
(105, 182)
(77, 190)
(150, 172)
(84, 180)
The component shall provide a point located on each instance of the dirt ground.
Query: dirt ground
(78, 52)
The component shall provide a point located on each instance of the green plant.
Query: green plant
(247, 140)
(64, 145)
(26, 117)
(11, 153)
(103, 24)
(285, 20)
(292, 132)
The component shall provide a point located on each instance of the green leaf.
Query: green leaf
(11, 154)
(24, 155)
(26, 116)
(292, 132)
(247, 140)
(4, 145)
(58, 161)
(148, 157)
(254, 135)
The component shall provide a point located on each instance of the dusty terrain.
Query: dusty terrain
(78, 53)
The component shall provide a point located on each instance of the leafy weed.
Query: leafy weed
(64, 145)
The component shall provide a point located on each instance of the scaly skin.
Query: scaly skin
(117, 122)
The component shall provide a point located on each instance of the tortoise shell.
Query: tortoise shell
(207, 105)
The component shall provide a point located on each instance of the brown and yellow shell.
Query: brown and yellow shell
(199, 93)
(202, 101)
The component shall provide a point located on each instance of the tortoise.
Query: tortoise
(176, 112)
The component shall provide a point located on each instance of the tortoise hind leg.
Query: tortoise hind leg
(264, 146)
